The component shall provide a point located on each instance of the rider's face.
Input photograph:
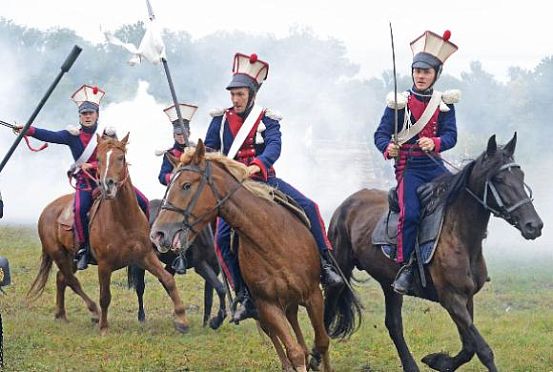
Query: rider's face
(423, 78)
(88, 118)
(239, 98)
(179, 138)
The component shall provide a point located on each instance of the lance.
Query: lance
(64, 68)
(395, 84)
(171, 86)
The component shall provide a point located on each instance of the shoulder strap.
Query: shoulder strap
(87, 152)
(408, 133)
(244, 130)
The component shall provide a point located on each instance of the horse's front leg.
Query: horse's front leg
(459, 308)
(104, 277)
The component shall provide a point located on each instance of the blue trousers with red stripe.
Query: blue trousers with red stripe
(83, 202)
(229, 259)
(412, 173)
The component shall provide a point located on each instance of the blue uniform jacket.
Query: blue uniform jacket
(166, 166)
(267, 152)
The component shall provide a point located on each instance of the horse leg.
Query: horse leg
(459, 308)
(153, 265)
(210, 277)
(208, 302)
(140, 285)
(292, 316)
(394, 323)
(314, 307)
(104, 277)
(275, 324)
(60, 297)
(67, 269)
(284, 361)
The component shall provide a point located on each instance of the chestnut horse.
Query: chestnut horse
(277, 253)
(118, 238)
(493, 183)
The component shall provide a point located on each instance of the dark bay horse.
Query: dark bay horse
(201, 256)
(118, 238)
(277, 253)
(493, 183)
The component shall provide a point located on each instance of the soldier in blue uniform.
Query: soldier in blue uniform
(179, 135)
(427, 127)
(82, 143)
(251, 134)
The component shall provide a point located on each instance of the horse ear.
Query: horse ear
(99, 138)
(492, 146)
(510, 147)
(173, 159)
(199, 154)
(125, 139)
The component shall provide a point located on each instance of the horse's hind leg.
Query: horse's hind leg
(210, 277)
(60, 297)
(292, 316)
(394, 323)
(275, 324)
(66, 277)
(136, 279)
(459, 308)
(315, 311)
(153, 265)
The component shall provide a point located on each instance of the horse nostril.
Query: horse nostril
(110, 182)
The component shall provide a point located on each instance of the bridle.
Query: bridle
(502, 210)
(206, 179)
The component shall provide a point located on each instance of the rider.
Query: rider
(82, 143)
(251, 135)
(427, 126)
(179, 135)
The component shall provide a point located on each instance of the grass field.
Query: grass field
(514, 312)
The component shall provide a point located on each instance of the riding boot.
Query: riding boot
(179, 264)
(330, 278)
(81, 258)
(243, 307)
(403, 280)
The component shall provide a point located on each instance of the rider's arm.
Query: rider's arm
(273, 143)
(62, 137)
(447, 130)
(165, 171)
(212, 137)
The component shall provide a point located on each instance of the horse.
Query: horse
(118, 238)
(491, 184)
(201, 256)
(277, 253)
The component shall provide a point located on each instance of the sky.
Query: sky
(499, 34)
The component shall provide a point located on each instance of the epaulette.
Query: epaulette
(401, 100)
(161, 152)
(217, 112)
(451, 96)
(110, 131)
(73, 130)
(271, 114)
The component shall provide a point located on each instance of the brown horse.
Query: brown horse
(118, 238)
(277, 253)
(493, 183)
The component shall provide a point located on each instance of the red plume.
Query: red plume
(95, 90)
(253, 58)
(447, 35)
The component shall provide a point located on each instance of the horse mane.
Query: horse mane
(238, 170)
(111, 142)
(454, 184)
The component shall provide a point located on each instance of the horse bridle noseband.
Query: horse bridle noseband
(502, 211)
(206, 180)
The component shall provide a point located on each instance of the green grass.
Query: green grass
(513, 312)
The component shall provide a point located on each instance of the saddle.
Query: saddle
(287, 202)
(67, 216)
(432, 201)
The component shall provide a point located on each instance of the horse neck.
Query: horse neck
(124, 207)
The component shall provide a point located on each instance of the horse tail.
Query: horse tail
(342, 308)
(41, 278)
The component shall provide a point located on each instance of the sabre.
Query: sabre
(171, 86)
(11, 126)
(395, 85)
(64, 68)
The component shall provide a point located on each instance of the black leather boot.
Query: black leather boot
(81, 258)
(243, 307)
(329, 275)
(404, 277)
(179, 264)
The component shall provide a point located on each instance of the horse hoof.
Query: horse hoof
(439, 361)
(314, 362)
(182, 328)
(141, 317)
(61, 318)
(216, 322)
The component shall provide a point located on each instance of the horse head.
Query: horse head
(112, 165)
(497, 182)
(188, 206)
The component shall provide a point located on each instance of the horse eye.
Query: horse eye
(121, 158)
(186, 186)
